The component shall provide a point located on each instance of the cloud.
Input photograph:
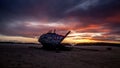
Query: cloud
(28, 17)
(85, 5)
(96, 9)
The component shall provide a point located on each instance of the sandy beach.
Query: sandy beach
(32, 56)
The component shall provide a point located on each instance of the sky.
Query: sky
(88, 20)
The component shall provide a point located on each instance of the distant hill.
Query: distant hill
(79, 44)
(16, 43)
(98, 44)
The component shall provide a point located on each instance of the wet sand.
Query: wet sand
(32, 56)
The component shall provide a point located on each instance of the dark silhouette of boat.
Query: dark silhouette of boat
(52, 41)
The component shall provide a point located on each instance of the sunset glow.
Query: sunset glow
(88, 21)
(18, 39)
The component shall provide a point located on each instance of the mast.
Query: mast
(54, 31)
(65, 36)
